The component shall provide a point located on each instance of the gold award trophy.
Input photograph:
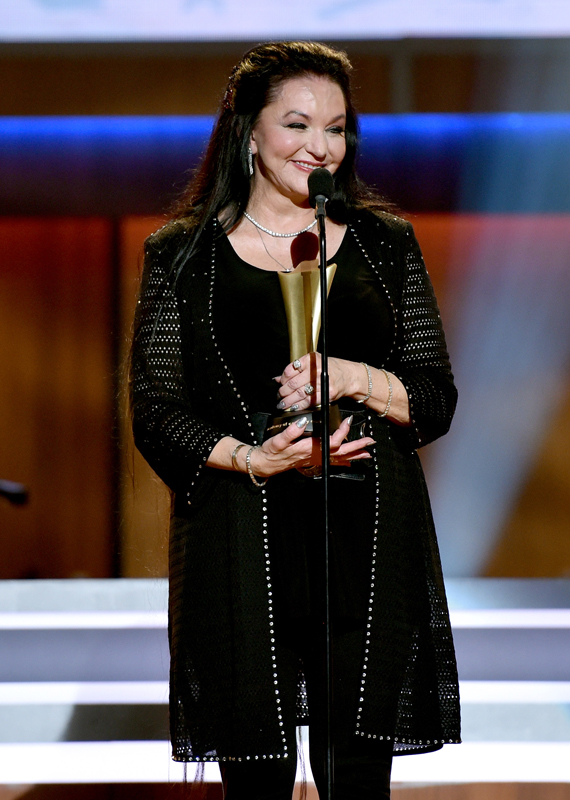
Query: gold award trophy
(302, 298)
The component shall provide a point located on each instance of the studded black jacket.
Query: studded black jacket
(224, 688)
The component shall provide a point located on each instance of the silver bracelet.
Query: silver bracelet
(249, 469)
(389, 403)
(234, 456)
(367, 368)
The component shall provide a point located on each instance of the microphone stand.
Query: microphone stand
(325, 456)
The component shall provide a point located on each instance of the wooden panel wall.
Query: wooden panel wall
(392, 76)
(115, 84)
(476, 791)
(486, 791)
(145, 501)
(56, 392)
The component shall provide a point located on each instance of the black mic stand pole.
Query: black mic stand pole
(325, 456)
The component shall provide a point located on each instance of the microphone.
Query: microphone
(16, 493)
(321, 189)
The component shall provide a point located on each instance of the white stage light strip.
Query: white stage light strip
(59, 620)
(156, 692)
(93, 762)
(542, 692)
(487, 762)
(467, 618)
(88, 693)
(511, 618)
(149, 762)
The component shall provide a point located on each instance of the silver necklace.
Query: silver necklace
(274, 233)
(284, 268)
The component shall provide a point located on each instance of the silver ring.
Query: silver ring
(309, 388)
(297, 364)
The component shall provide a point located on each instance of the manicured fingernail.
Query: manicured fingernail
(281, 405)
(301, 422)
(349, 419)
(294, 407)
(277, 378)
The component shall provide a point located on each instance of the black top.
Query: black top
(251, 327)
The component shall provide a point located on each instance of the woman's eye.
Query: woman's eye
(336, 129)
(298, 125)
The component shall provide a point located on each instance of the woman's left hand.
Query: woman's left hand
(300, 383)
(382, 392)
(342, 453)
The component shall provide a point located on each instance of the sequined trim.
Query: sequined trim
(358, 731)
(265, 518)
(379, 276)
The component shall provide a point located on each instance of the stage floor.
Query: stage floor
(83, 685)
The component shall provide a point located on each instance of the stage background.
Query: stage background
(103, 112)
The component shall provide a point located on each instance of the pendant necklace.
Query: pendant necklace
(283, 267)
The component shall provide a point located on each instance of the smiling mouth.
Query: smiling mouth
(306, 165)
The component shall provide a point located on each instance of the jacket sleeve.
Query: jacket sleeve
(424, 366)
(174, 441)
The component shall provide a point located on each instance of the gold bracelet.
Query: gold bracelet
(369, 374)
(249, 469)
(389, 403)
(234, 456)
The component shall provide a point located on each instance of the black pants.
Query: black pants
(361, 766)
(360, 773)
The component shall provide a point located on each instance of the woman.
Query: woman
(210, 352)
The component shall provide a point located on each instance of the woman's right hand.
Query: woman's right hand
(287, 451)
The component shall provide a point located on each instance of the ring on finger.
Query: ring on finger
(297, 364)
(309, 388)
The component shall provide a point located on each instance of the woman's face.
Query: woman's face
(303, 128)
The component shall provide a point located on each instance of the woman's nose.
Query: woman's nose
(317, 144)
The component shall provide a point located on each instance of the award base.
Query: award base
(314, 426)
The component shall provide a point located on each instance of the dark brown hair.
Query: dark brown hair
(222, 181)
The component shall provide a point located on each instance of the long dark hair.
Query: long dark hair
(222, 181)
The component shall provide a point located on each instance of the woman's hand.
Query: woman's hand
(300, 387)
(287, 451)
(300, 383)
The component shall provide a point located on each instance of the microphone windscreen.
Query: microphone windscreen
(320, 183)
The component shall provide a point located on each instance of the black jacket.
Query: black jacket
(224, 675)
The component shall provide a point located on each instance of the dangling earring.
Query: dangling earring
(250, 161)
